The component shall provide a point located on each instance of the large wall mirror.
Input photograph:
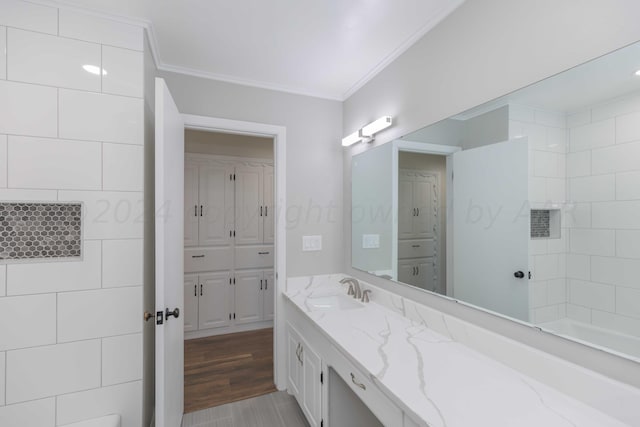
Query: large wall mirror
(527, 206)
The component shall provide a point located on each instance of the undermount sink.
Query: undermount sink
(332, 302)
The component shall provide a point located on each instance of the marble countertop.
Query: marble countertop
(435, 378)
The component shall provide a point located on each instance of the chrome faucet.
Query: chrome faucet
(354, 287)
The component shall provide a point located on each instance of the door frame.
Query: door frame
(279, 135)
(424, 148)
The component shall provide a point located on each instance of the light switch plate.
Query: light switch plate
(370, 241)
(311, 243)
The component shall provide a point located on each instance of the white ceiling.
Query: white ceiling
(325, 48)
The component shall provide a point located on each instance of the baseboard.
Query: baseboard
(228, 330)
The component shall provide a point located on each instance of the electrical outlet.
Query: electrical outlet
(311, 243)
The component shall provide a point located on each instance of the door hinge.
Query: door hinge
(321, 377)
(159, 317)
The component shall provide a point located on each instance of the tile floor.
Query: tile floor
(277, 409)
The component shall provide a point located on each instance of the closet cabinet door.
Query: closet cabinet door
(406, 271)
(214, 300)
(249, 207)
(406, 210)
(425, 203)
(268, 201)
(191, 302)
(216, 204)
(268, 302)
(426, 273)
(248, 297)
(191, 203)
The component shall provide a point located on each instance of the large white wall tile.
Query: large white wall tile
(537, 294)
(557, 140)
(3, 280)
(592, 188)
(123, 167)
(124, 71)
(550, 119)
(592, 135)
(592, 242)
(545, 314)
(78, 25)
(547, 267)
(3, 52)
(616, 322)
(617, 107)
(3, 161)
(628, 185)
(579, 118)
(628, 302)
(101, 117)
(36, 278)
(27, 109)
(579, 313)
(13, 195)
(616, 271)
(48, 371)
(537, 189)
(521, 113)
(593, 295)
(616, 215)
(123, 399)
(121, 359)
(38, 413)
(3, 370)
(101, 313)
(50, 60)
(578, 266)
(579, 164)
(628, 127)
(628, 243)
(29, 16)
(109, 215)
(557, 291)
(27, 321)
(620, 158)
(556, 190)
(122, 262)
(578, 215)
(548, 164)
(54, 163)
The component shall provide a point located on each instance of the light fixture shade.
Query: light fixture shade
(351, 139)
(375, 127)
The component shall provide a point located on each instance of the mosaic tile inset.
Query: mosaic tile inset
(40, 230)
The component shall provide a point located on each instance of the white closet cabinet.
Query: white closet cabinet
(190, 302)
(253, 296)
(418, 272)
(206, 301)
(254, 204)
(417, 204)
(303, 376)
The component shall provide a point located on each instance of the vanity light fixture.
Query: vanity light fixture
(94, 69)
(367, 132)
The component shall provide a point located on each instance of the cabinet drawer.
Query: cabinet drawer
(422, 248)
(207, 259)
(388, 413)
(254, 257)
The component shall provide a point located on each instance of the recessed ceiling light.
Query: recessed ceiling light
(94, 69)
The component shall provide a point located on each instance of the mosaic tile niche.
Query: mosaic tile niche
(33, 231)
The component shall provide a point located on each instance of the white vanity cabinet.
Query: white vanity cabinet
(304, 370)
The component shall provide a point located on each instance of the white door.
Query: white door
(249, 208)
(214, 302)
(269, 213)
(248, 294)
(169, 258)
(190, 302)
(268, 302)
(491, 227)
(191, 204)
(216, 204)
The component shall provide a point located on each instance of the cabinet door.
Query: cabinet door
(311, 387)
(426, 274)
(268, 201)
(268, 302)
(216, 204)
(406, 210)
(248, 207)
(406, 271)
(424, 200)
(191, 204)
(293, 362)
(213, 304)
(248, 301)
(191, 289)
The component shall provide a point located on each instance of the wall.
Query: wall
(70, 332)
(603, 170)
(482, 51)
(314, 177)
(488, 128)
(226, 144)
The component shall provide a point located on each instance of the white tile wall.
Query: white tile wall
(627, 187)
(3, 53)
(550, 119)
(122, 262)
(579, 313)
(592, 135)
(3, 280)
(77, 25)
(51, 60)
(61, 164)
(124, 69)
(122, 167)
(27, 321)
(620, 158)
(628, 302)
(592, 242)
(579, 164)
(592, 188)
(103, 401)
(578, 266)
(3, 161)
(100, 117)
(578, 215)
(27, 109)
(628, 243)
(593, 295)
(121, 359)
(628, 127)
(548, 164)
(53, 370)
(102, 313)
(557, 291)
(109, 215)
(579, 118)
(617, 107)
(3, 371)
(29, 16)
(57, 276)
(616, 271)
(619, 215)
(616, 322)
(38, 413)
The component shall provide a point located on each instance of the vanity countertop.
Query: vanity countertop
(434, 378)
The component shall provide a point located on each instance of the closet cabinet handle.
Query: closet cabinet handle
(195, 290)
(200, 210)
(260, 210)
(265, 210)
(200, 289)
(265, 284)
(260, 284)
(263, 253)
(417, 211)
(195, 210)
